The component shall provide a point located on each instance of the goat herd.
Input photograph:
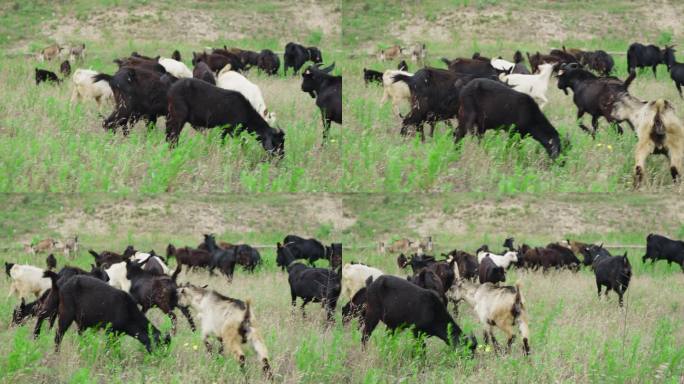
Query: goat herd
(214, 94)
(120, 288)
(483, 94)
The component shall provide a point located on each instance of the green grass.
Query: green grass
(574, 336)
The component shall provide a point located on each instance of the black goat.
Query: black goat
(480, 105)
(327, 90)
(613, 272)
(91, 303)
(488, 272)
(400, 303)
(46, 76)
(593, 95)
(661, 248)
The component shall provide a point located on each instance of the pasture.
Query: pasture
(574, 336)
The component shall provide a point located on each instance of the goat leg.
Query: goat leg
(186, 312)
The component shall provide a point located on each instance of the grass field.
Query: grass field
(50, 145)
(575, 337)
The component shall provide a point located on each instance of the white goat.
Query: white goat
(230, 320)
(175, 67)
(500, 261)
(354, 278)
(502, 65)
(228, 79)
(533, 85)
(658, 129)
(502, 307)
(117, 276)
(27, 280)
(84, 87)
(398, 91)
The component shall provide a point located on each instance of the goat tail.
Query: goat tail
(445, 61)
(518, 304)
(102, 76)
(95, 254)
(176, 273)
(401, 77)
(53, 279)
(630, 78)
(369, 281)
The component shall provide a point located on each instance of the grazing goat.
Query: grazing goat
(391, 53)
(658, 129)
(65, 68)
(502, 307)
(50, 52)
(77, 53)
(301, 248)
(230, 320)
(480, 106)
(489, 272)
(46, 76)
(316, 285)
(533, 85)
(268, 62)
(296, 55)
(661, 248)
(233, 81)
(600, 61)
(354, 278)
(86, 88)
(419, 53)
(327, 90)
(356, 307)
(399, 303)
(640, 56)
(91, 303)
(371, 76)
(139, 94)
(175, 67)
(204, 105)
(192, 258)
(613, 272)
(397, 92)
(151, 289)
(27, 280)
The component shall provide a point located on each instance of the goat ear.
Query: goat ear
(329, 68)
